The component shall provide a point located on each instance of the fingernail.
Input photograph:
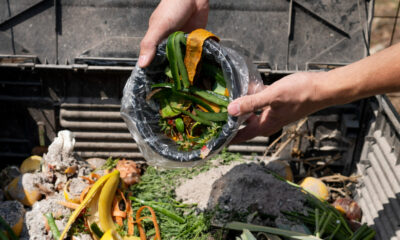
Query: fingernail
(234, 109)
(142, 60)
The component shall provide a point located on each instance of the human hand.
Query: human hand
(170, 16)
(283, 102)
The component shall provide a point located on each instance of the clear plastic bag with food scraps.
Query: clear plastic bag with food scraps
(142, 114)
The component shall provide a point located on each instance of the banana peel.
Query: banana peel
(93, 214)
(105, 204)
(131, 238)
(108, 235)
(98, 185)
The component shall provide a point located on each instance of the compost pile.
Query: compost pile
(60, 195)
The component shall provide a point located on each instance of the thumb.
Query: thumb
(249, 103)
(147, 51)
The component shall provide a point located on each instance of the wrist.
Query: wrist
(332, 88)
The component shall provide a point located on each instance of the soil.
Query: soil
(243, 192)
(29, 180)
(11, 211)
(34, 224)
(76, 186)
(203, 182)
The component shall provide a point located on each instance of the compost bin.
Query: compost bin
(63, 65)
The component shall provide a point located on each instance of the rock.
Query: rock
(248, 188)
(8, 174)
(13, 213)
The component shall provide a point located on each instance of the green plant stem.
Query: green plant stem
(335, 231)
(316, 222)
(4, 225)
(276, 231)
(52, 225)
(210, 96)
(326, 223)
(215, 117)
(196, 118)
(164, 211)
(193, 99)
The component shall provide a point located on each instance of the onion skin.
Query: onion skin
(129, 172)
(349, 208)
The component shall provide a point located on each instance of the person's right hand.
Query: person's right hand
(283, 102)
(170, 16)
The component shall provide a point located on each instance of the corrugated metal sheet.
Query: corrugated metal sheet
(100, 132)
(379, 191)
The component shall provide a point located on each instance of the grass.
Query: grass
(157, 187)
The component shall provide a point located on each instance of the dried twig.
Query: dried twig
(340, 178)
(339, 190)
(293, 134)
(334, 158)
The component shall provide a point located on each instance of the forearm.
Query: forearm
(373, 75)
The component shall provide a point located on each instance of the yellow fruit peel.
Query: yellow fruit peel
(27, 195)
(316, 187)
(31, 164)
(105, 203)
(108, 235)
(68, 196)
(194, 48)
(89, 197)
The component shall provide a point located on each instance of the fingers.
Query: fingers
(147, 51)
(169, 16)
(249, 103)
(263, 125)
(248, 132)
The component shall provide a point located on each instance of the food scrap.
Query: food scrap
(193, 98)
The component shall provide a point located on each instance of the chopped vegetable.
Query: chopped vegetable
(96, 230)
(184, 101)
(180, 125)
(194, 49)
(3, 236)
(4, 225)
(215, 117)
(164, 211)
(174, 55)
(129, 172)
(154, 220)
(53, 226)
(211, 96)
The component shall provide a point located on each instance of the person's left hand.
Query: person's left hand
(170, 16)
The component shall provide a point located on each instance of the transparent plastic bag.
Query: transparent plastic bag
(142, 116)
